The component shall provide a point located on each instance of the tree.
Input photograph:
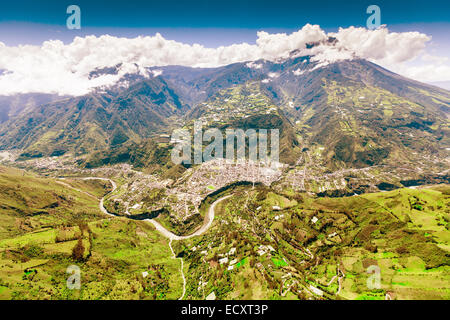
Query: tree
(78, 250)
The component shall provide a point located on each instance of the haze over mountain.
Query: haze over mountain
(11, 106)
(377, 115)
(442, 84)
(93, 122)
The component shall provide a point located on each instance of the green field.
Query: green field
(251, 251)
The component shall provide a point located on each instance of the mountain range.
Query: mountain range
(353, 112)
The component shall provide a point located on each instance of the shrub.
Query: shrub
(32, 251)
(78, 250)
(402, 250)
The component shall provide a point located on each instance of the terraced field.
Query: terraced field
(38, 243)
(262, 244)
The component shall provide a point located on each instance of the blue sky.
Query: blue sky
(226, 31)
(211, 23)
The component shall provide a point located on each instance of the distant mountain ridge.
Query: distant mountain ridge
(441, 84)
(13, 105)
(93, 122)
(364, 114)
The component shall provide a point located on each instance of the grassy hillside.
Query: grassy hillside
(248, 106)
(48, 226)
(321, 242)
(277, 245)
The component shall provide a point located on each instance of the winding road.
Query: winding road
(206, 225)
(166, 233)
(100, 205)
(181, 268)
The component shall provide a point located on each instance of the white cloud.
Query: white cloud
(253, 65)
(279, 45)
(298, 72)
(427, 68)
(55, 67)
(156, 73)
(381, 45)
(325, 55)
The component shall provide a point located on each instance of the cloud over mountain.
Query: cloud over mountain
(55, 67)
